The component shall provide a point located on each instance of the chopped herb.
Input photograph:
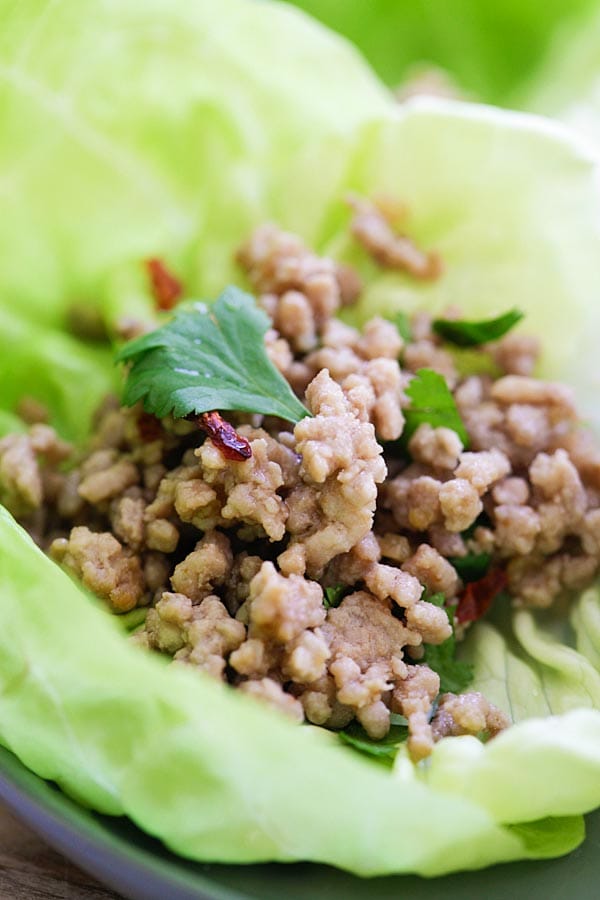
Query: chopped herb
(432, 402)
(438, 599)
(471, 567)
(333, 596)
(471, 334)
(207, 358)
(133, 619)
(402, 323)
(383, 751)
(455, 675)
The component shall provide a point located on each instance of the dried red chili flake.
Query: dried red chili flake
(478, 596)
(149, 427)
(224, 436)
(167, 289)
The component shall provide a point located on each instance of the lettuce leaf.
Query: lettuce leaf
(158, 127)
(69, 377)
(172, 148)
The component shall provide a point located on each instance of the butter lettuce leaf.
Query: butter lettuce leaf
(161, 127)
(69, 377)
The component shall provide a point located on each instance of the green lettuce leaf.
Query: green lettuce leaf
(172, 149)
(159, 127)
(67, 376)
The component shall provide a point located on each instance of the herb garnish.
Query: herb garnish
(471, 567)
(455, 675)
(471, 334)
(382, 751)
(133, 619)
(432, 402)
(333, 596)
(207, 358)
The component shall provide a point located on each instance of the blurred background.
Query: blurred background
(494, 51)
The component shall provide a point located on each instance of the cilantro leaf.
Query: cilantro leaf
(333, 596)
(206, 358)
(471, 334)
(471, 567)
(383, 751)
(432, 402)
(455, 675)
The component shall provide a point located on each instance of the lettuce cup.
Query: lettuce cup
(162, 129)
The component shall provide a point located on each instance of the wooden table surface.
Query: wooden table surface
(30, 870)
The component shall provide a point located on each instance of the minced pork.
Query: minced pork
(231, 558)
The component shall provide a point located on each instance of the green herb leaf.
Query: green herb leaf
(438, 599)
(471, 567)
(402, 323)
(333, 596)
(133, 619)
(432, 402)
(383, 751)
(209, 357)
(455, 675)
(471, 334)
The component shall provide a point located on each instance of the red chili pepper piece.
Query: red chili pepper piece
(224, 436)
(149, 427)
(167, 289)
(478, 596)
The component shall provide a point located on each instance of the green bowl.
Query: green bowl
(140, 868)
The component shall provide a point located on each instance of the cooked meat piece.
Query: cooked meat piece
(467, 713)
(341, 466)
(104, 566)
(413, 697)
(372, 228)
(272, 693)
(204, 568)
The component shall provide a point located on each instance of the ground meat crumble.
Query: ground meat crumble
(231, 556)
